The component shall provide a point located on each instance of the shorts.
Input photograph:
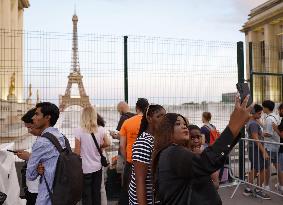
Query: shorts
(280, 162)
(257, 161)
(273, 156)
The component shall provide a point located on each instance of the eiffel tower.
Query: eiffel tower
(75, 76)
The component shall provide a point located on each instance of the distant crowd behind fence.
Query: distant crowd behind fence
(186, 76)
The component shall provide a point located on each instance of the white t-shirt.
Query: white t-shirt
(33, 185)
(9, 183)
(269, 119)
(91, 160)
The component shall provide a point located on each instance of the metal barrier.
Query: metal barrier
(257, 171)
(166, 71)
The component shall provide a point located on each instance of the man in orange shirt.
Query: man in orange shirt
(128, 135)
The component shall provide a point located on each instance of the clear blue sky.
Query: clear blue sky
(193, 19)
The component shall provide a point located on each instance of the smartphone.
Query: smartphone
(244, 90)
(15, 152)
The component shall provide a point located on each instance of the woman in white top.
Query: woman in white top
(91, 160)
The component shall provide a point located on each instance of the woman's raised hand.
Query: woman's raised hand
(240, 116)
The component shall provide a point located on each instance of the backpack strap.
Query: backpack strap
(58, 146)
(48, 189)
(129, 114)
(67, 144)
(96, 144)
(208, 128)
(60, 149)
(54, 141)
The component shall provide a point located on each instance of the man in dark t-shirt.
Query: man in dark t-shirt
(124, 110)
(123, 118)
(258, 156)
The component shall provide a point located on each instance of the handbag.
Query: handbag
(120, 164)
(104, 162)
(3, 197)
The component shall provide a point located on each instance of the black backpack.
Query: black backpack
(68, 180)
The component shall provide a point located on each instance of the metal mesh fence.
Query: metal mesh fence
(186, 76)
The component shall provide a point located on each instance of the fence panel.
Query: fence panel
(186, 76)
(259, 170)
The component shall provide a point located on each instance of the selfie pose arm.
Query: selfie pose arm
(212, 158)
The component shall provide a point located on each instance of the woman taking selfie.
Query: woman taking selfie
(182, 177)
(140, 188)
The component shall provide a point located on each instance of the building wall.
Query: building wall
(265, 31)
(11, 46)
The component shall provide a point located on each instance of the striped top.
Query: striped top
(142, 150)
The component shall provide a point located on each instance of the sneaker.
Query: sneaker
(261, 194)
(278, 188)
(248, 192)
(266, 188)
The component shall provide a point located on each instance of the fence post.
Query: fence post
(126, 94)
(241, 79)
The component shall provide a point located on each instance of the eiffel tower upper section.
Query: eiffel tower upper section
(75, 76)
(75, 53)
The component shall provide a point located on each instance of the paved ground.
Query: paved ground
(225, 193)
(240, 199)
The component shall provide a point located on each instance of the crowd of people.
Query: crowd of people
(263, 155)
(167, 160)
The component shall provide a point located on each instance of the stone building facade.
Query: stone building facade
(264, 34)
(11, 46)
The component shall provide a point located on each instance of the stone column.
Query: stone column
(14, 14)
(20, 19)
(5, 42)
(16, 49)
(20, 55)
(1, 13)
(279, 44)
(253, 36)
(6, 14)
(11, 46)
(272, 90)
